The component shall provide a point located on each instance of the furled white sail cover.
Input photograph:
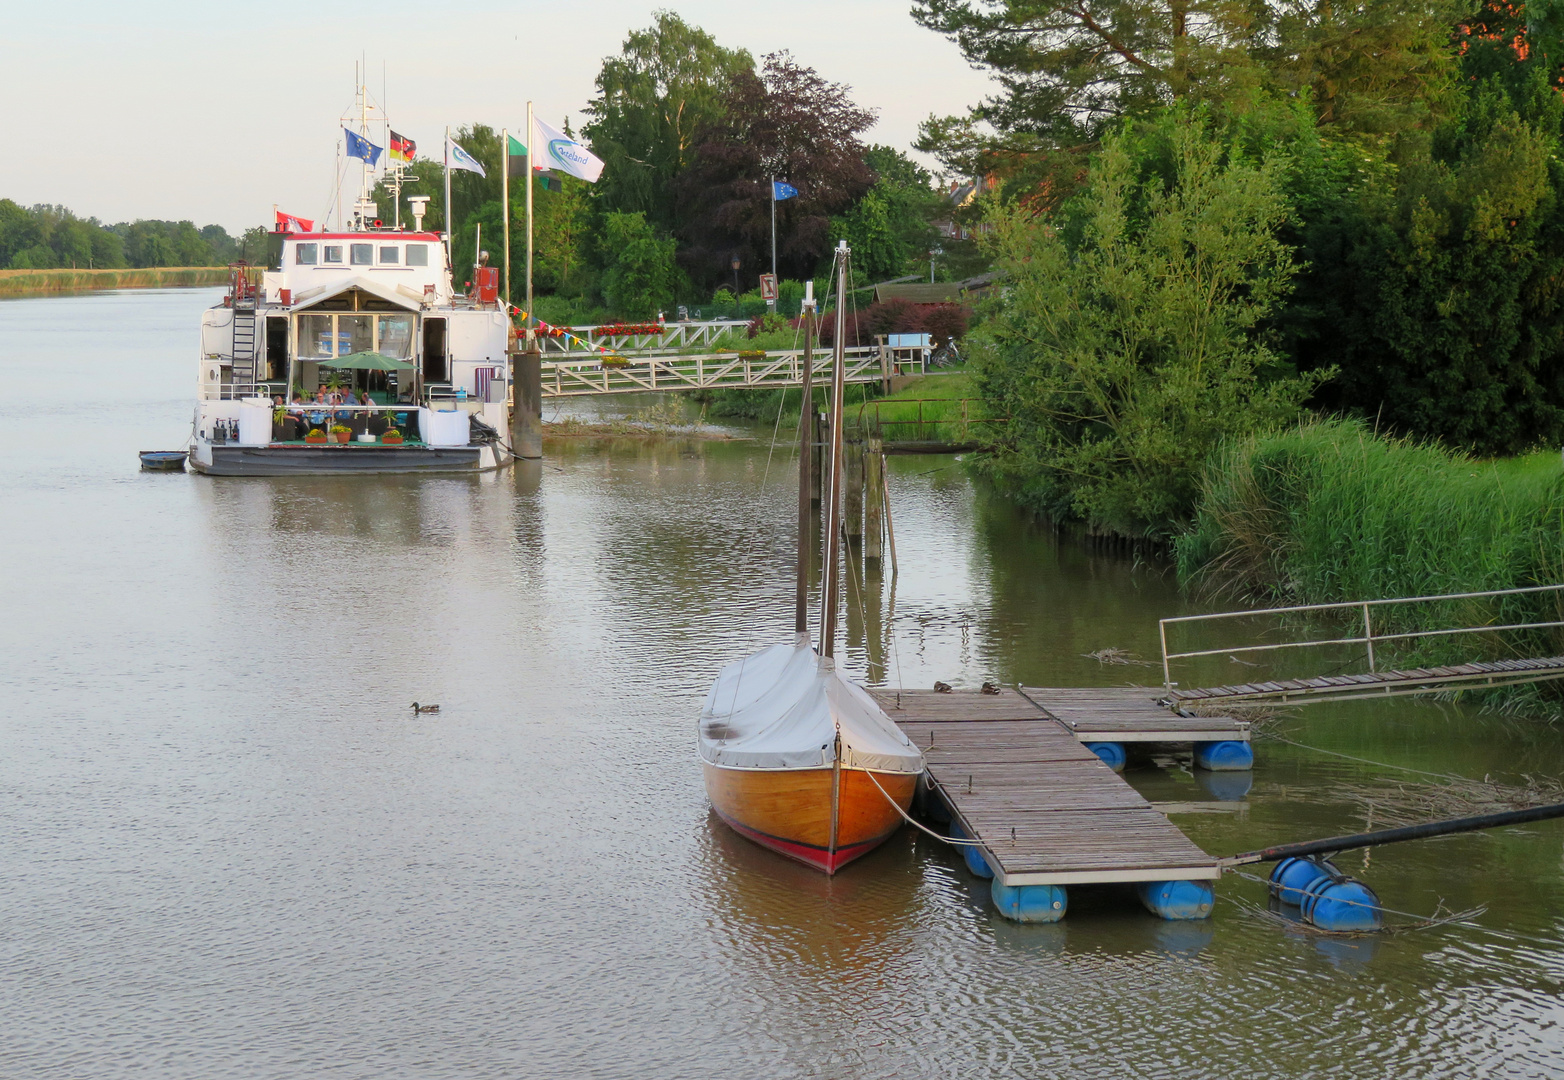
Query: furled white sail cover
(781, 708)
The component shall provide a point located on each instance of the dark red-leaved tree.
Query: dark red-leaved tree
(785, 122)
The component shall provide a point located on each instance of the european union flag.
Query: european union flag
(780, 191)
(361, 148)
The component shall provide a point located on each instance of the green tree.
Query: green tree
(669, 82)
(1125, 345)
(891, 227)
(640, 271)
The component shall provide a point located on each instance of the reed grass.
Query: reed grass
(40, 282)
(1328, 511)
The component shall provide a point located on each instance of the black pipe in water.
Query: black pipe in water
(1392, 836)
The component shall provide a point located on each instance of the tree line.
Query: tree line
(46, 237)
(692, 133)
(1217, 217)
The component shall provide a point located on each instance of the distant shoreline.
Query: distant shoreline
(42, 282)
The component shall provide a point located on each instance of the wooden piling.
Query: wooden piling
(873, 499)
(852, 489)
(822, 427)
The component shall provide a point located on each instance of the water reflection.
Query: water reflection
(224, 823)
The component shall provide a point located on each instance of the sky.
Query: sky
(216, 112)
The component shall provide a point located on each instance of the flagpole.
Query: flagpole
(505, 203)
(447, 153)
(772, 303)
(531, 168)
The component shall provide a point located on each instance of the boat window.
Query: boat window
(417, 254)
(396, 336)
(388, 255)
(355, 333)
(315, 337)
(362, 254)
(304, 254)
(333, 253)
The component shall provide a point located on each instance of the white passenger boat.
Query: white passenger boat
(369, 309)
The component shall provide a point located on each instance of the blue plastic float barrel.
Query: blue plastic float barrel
(1030, 903)
(1342, 904)
(1178, 899)
(1230, 755)
(1112, 754)
(1291, 878)
(972, 853)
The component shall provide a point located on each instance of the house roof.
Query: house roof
(944, 292)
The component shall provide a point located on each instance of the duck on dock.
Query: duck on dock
(417, 708)
(942, 687)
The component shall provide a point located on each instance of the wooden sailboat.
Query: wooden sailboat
(796, 757)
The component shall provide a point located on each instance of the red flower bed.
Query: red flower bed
(629, 329)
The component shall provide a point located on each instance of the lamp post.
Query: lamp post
(933, 254)
(735, 265)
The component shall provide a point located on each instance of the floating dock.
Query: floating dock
(1045, 809)
(1130, 714)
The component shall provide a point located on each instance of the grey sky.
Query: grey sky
(214, 112)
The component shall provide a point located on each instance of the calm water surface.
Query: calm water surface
(228, 849)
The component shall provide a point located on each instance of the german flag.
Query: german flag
(402, 149)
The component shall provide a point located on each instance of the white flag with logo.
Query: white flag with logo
(461, 159)
(559, 151)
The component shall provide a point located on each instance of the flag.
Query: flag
(516, 155)
(780, 191)
(564, 153)
(549, 180)
(461, 159)
(402, 149)
(293, 223)
(362, 148)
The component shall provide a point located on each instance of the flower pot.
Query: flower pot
(315, 437)
(391, 440)
(342, 436)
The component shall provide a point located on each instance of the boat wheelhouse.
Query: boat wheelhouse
(370, 311)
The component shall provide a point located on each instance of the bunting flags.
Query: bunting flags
(565, 154)
(781, 191)
(361, 148)
(402, 149)
(461, 159)
(292, 222)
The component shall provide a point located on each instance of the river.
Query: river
(230, 849)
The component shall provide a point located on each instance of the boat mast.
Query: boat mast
(833, 516)
(806, 417)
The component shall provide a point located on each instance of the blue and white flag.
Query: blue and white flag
(780, 191)
(461, 159)
(361, 148)
(559, 151)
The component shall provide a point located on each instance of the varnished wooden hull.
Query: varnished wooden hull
(822, 817)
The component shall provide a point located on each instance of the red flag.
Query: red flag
(293, 223)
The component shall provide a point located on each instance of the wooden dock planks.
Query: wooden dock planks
(1046, 809)
(1129, 714)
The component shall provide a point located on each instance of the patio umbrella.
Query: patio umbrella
(367, 361)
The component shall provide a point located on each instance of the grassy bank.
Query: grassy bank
(40, 282)
(1328, 511)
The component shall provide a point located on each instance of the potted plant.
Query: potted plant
(315, 436)
(392, 436)
(279, 424)
(341, 432)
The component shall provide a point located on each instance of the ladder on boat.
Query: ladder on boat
(1508, 619)
(244, 358)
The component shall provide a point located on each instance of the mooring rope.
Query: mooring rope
(1364, 761)
(955, 841)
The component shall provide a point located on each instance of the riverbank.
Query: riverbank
(1328, 511)
(41, 282)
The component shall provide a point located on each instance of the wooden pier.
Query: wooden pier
(1046, 810)
(1130, 714)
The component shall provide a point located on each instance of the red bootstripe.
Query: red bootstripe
(808, 854)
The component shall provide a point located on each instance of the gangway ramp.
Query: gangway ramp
(1512, 625)
(1044, 808)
